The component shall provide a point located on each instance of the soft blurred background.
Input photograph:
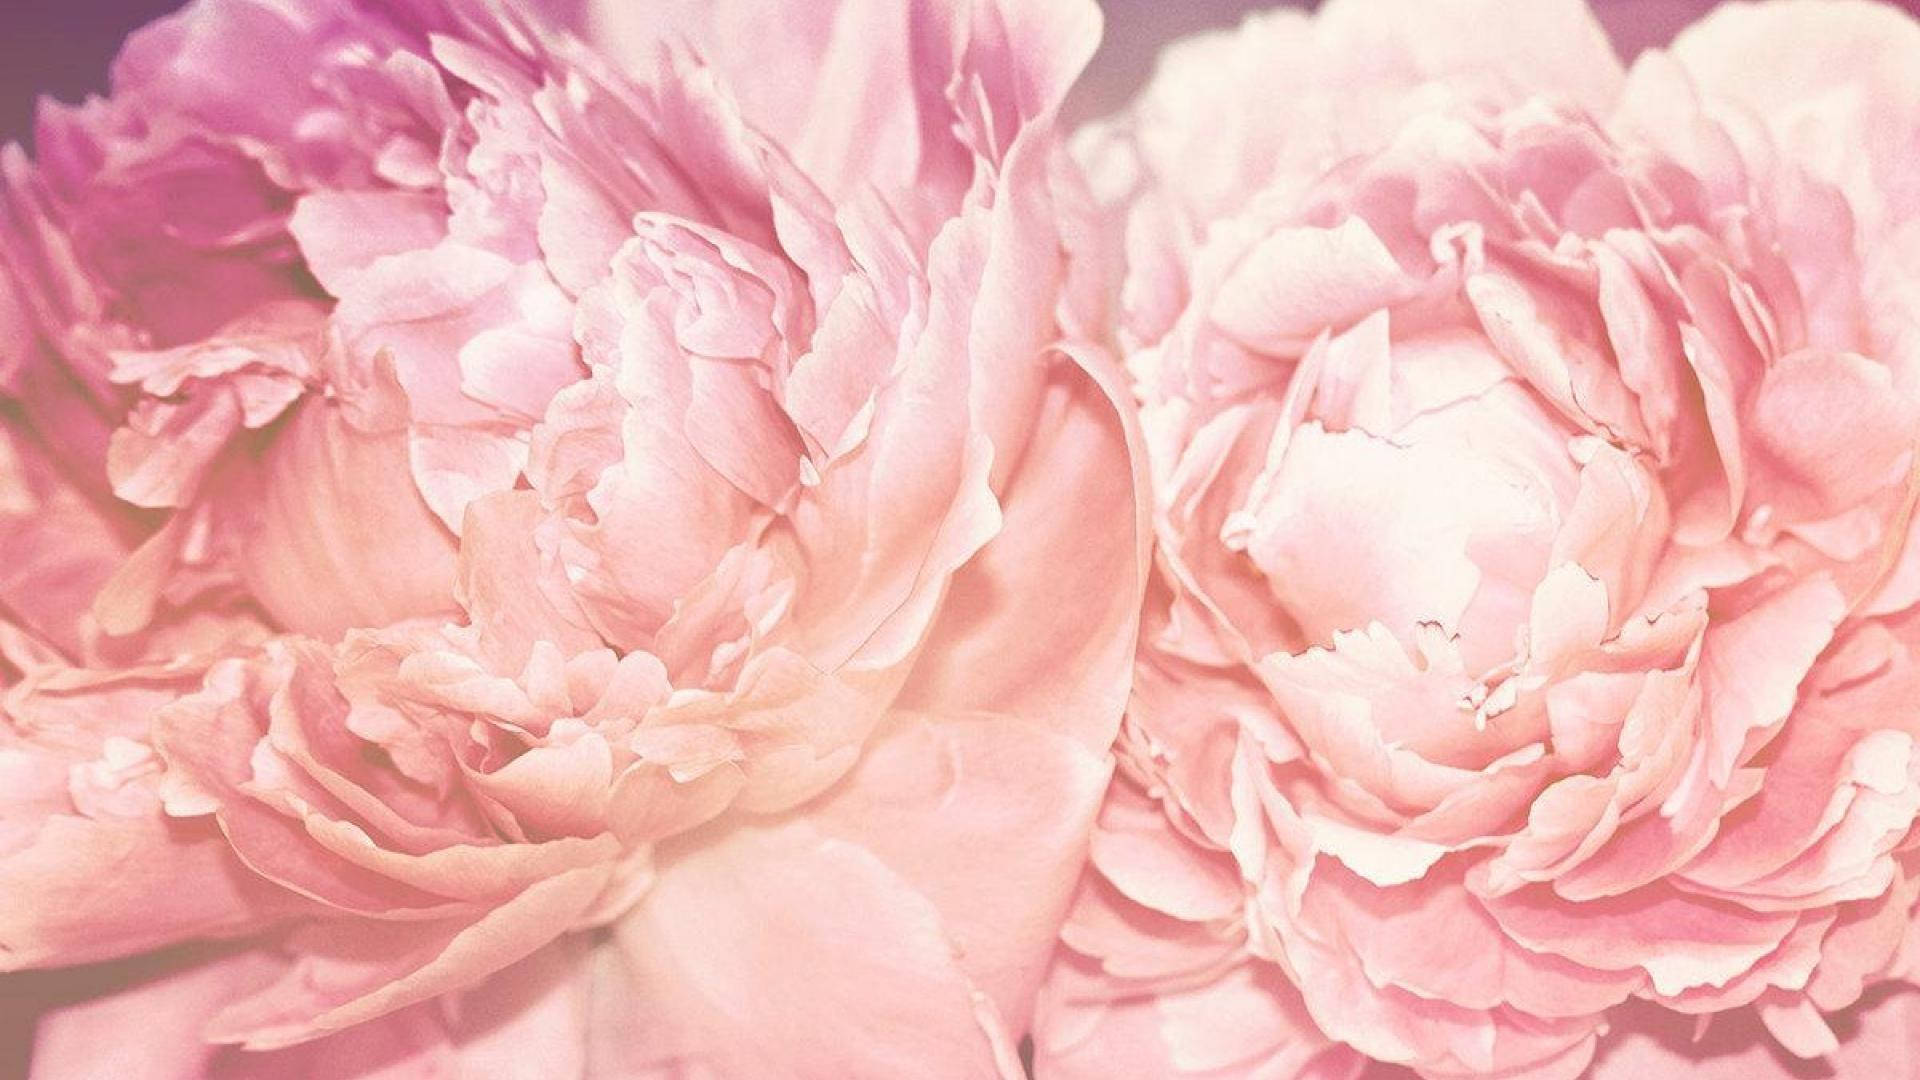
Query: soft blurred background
(61, 47)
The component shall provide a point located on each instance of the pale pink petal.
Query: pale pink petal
(989, 624)
(1840, 95)
(344, 973)
(779, 950)
(324, 493)
(1297, 282)
(988, 820)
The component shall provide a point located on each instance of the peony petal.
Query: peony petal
(1841, 97)
(348, 973)
(1297, 282)
(1081, 447)
(985, 818)
(767, 951)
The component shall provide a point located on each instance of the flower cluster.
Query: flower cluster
(713, 539)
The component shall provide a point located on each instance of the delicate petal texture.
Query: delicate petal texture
(1528, 676)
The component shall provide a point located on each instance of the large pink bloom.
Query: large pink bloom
(1534, 653)
(540, 566)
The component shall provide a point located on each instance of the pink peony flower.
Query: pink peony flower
(522, 564)
(1530, 675)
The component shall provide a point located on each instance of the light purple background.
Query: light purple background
(62, 46)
